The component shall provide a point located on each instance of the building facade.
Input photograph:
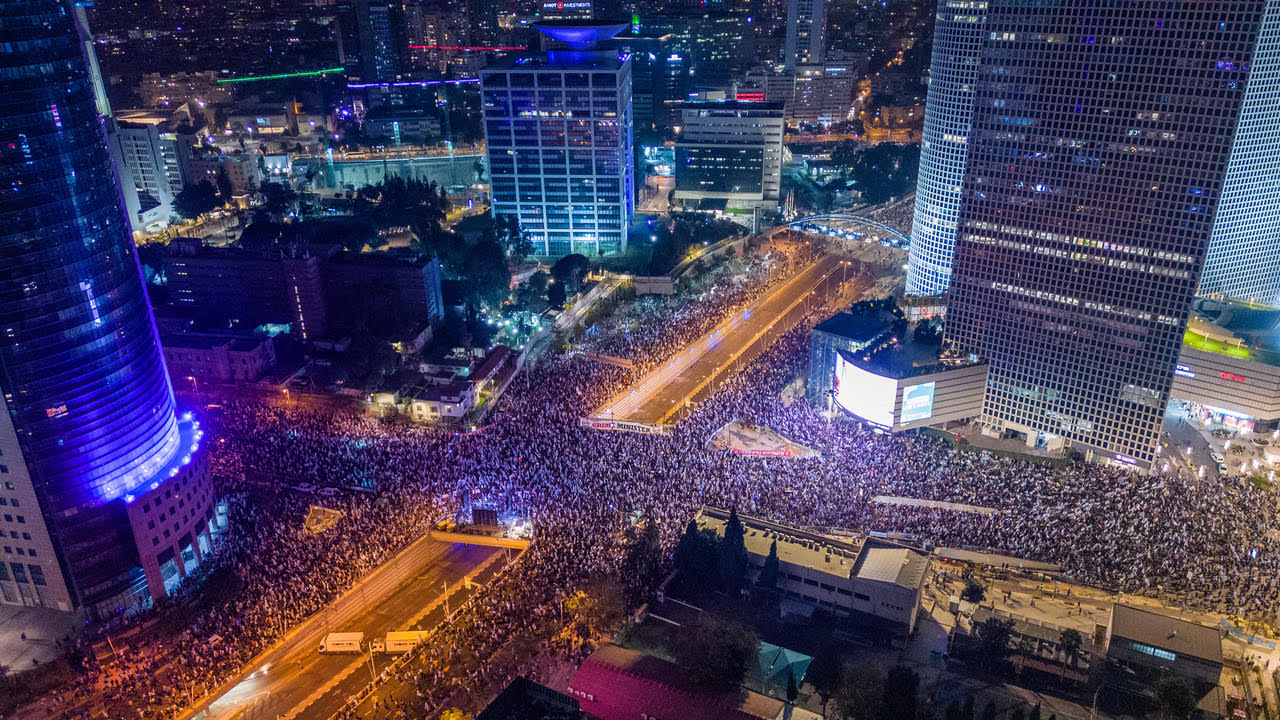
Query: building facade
(731, 151)
(1086, 209)
(81, 369)
(1243, 262)
(806, 32)
(559, 138)
(958, 35)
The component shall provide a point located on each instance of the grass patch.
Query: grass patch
(1196, 341)
(1260, 482)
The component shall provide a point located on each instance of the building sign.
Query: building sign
(762, 453)
(1231, 376)
(576, 5)
(1184, 371)
(54, 412)
(917, 402)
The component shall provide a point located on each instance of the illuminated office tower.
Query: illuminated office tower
(558, 129)
(958, 35)
(1096, 159)
(105, 500)
(1244, 254)
(806, 27)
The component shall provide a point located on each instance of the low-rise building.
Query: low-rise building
(448, 402)
(875, 584)
(221, 358)
(1142, 645)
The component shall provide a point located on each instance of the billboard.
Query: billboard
(917, 402)
(865, 394)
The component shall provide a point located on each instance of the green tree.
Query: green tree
(277, 199)
(769, 573)
(196, 200)
(733, 558)
(994, 635)
(1070, 641)
(1026, 651)
(901, 698)
(717, 652)
(643, 562)
(1173, 693)
(825, 673)
(518, 243)
(556, 296)
(860, 695)
(973, 592)
(570, 270)
(485, 274)
(224, 184)
(695, 559)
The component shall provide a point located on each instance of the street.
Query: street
(295, 680)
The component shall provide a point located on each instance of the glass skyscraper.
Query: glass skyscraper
(81, 369)
(557, 127)
(958, 34)
(1244, 254)
(1096, 160)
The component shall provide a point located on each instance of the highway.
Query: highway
(657, 397)
(293, 680)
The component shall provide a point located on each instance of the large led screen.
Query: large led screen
(865, 394)
(917, 402)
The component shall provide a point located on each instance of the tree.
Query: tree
(594, 611)
(570, 270)
(643, 562)
(485, 274)
(973, 592)
(196, 200)
(276, 198)
(993, 638)
(1026, 649)
(732, 558)
(1173, 692)
(901, 699)
(769, 573)
(825, 673)
(223, 181)
(1070, 642)
(717, 652)
(695, 559)
(859, 695)
(513, 237)
(555, 294)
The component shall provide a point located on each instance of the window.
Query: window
(1153, 651)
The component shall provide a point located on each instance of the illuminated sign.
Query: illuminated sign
(54, 412)
(917, 402)
(1231, 376)
(1184, 371)
(751, 97)
(566, 5)
(1126, 459)
(865, 394)
(762, 453)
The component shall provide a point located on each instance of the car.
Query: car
(1222, 469)
(1217, 457)
(327, 492)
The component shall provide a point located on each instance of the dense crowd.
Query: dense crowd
(1206, 543)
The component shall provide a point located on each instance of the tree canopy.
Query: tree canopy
(716, 651)
(196, 200)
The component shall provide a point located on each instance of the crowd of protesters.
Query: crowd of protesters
(1205, 543)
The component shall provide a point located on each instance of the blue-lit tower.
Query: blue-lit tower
(957, 41)
(102, 483)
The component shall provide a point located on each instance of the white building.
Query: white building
(558, 133)
(731, 151)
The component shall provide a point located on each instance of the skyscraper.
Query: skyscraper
(557, 127)
(1096, 159)
(107, 500)
(1244, 254)
(806, 29)
(958, 34)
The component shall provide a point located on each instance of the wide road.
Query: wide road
(293, 680)
(657, 397)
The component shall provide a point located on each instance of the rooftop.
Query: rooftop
(1247, 331)
(859, 328)
(1167, 633)
(621, 683)
(874, 560)
(560, 60)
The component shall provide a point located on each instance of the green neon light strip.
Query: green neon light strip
(281, 76)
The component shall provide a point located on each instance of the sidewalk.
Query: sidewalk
(44, 630)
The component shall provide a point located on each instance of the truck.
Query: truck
(398, 643)
(341, 642)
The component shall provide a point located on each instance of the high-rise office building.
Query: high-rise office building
(1244, 254)
(557, 129)
(379, 27)
(1096, 159)
(105, 499)
(806, 31)
(731, 152)
(958, 34)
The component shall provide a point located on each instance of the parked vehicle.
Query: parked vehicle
(341, 642)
